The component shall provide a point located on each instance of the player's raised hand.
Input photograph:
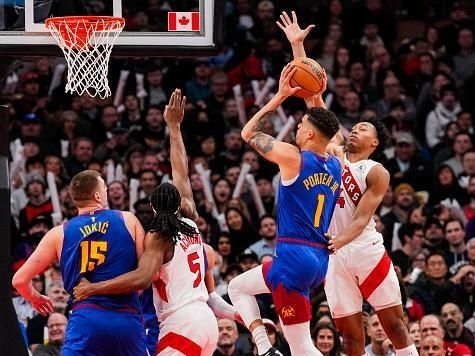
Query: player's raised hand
(42, 304)
(292, 29)
(83, 290)
(285, 89)
(175, 110)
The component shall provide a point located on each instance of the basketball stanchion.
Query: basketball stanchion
(12, 341)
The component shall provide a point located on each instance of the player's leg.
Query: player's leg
(345, 302)
(381, 289)
(352, 331)
(242, 290)
(291, 294)
(393, 324)
(299, 338)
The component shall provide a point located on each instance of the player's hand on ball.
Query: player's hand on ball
(175, 110)
(285, 89)
(42, 304)
(292, 29)
(83, 290)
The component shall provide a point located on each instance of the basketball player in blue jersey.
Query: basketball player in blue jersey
(98, 244)
(308, 190)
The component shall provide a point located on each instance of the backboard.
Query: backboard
(152, 27)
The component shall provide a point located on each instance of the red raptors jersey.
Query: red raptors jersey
(181, 280)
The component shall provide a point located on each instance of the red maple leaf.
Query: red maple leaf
(183, 21)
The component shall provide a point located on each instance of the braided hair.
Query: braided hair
(165, 201)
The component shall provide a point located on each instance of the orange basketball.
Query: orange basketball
(308, 76)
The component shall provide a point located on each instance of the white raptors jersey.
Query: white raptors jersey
(181, 280)
(353, 186)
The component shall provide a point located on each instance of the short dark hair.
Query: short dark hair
(146, 171)
(434, 253)
(447, 88)
(324, 120)
(83, 186)
(451, 220)
(266, 216)
(408, 230)
(78, 140)
(382, 135)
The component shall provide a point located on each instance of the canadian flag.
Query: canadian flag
(183, 21)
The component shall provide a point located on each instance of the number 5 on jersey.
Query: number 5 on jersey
(93, 254)
(319, 210)
(195, 267)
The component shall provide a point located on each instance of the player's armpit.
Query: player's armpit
(284, 154)
(209, 279)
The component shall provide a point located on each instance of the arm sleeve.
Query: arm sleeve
(220, 308)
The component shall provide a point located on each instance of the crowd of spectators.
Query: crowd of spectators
(409, 64)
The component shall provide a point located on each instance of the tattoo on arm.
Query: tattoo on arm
(261, 141)
(262, 121)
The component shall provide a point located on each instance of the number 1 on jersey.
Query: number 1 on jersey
(319, 210)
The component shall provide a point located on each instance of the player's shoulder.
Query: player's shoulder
(190, 222)
(128, 216)
(378, 169)
(378, 176)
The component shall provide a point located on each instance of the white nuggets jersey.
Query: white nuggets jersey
(181, 280)
(353, 186)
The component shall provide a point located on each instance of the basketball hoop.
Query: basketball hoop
(87, 43)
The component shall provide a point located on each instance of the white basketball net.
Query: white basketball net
(87, 44)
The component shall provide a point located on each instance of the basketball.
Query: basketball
(308, 76)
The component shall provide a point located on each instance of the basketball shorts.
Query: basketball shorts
(151, 332)
(361, 269)
(98, 332)
(191, 330)
(297, 267)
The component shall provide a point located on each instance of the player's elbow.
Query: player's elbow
(246, 134)
(142, 283)
(18, 281)
(141, 280)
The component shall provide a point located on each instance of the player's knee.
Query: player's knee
(397, 333)
(353, 345)
(234, 288)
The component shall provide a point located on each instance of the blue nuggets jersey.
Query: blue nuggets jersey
(305, 207)
(99, 247)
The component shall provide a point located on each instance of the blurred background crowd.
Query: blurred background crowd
(410, 64)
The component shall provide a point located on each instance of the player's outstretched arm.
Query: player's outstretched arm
(217, 304)
(173, 115)
(37, 263)
(295, 35)
(285, 155)
(138, 279)
(377, 183)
